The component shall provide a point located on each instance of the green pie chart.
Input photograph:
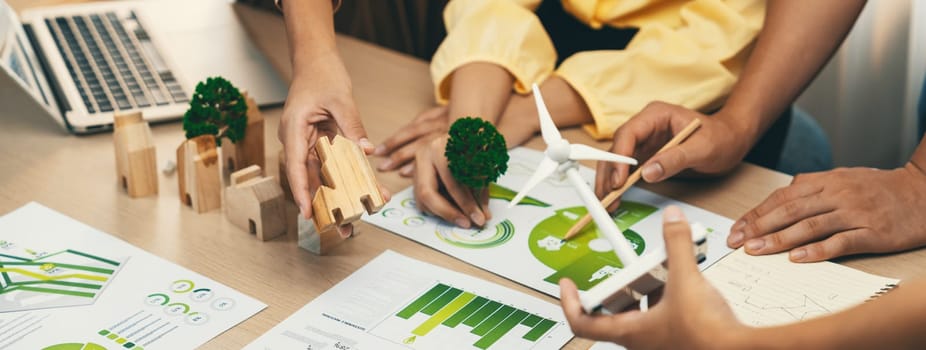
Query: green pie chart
(587, 258)
(76, 346)
(477, 238)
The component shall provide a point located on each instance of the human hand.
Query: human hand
(691, 314)
(320, 103)
(438, 193)
(840, 212)
(713, 149)
(400, 148)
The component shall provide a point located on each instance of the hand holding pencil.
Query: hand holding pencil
(634, 177)
(663, 136)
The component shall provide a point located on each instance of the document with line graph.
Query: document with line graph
(771, 290)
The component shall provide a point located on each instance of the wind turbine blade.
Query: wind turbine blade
(546, 168)
(579, 151)
(547, 126)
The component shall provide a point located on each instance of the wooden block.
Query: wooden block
(249, 150)
(198, 173)
(348, 185)
(284, 179)
(319, 243)
(255, 204)
(136, 156)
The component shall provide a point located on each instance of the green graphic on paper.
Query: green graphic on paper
(446, 306)
(487, 237)
(587, 258)
(65, 278)
(76, 346)
(497, 191)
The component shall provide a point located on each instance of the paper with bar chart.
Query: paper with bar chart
(396, 302)
(525, 244)
(67, 286)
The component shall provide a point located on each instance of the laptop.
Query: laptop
(80, 64)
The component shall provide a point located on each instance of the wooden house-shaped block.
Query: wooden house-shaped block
(198, 173)
(255, 204)
(249, 150)
(136, 157)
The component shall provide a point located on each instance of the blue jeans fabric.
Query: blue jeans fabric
(794, 144)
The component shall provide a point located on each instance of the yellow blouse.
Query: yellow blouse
(687, 52)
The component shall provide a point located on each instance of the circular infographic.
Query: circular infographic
(587, 258)
(75, 346)
(181, 286)
(223, 304)
(201, 294)
(408, 203)
(176, 309)
(157, 299)
(391, 213)
(487, 237)
(413, 221)
(197, 318)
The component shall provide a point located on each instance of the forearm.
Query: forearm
(797, 40)
(310, 30)
(479, 89)
(893, 321)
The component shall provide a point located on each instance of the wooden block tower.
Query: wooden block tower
(198, 173)
(136, 157)
(255, 204)
(249, 150)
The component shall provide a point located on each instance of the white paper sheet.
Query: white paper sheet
(66, 286)
(524, 243)
(396, 302)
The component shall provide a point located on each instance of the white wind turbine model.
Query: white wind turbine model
(561, 156)
(640, 275)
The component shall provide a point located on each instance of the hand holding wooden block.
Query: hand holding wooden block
(255, 204)
(136, 157)
(349, 186)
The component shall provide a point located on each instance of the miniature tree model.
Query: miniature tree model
(217, 108)
(476, 152)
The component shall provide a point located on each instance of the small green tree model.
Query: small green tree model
(217, 108)
(476, 152)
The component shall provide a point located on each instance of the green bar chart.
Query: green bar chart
(489, 320)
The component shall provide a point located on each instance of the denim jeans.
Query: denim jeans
(794, 144)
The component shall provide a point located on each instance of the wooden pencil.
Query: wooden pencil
(632, 179)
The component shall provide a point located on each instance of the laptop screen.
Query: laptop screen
(17, 58)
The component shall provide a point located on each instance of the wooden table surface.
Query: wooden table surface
(75, 175)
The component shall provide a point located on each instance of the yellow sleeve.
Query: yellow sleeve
(694, 65)
(504, 32)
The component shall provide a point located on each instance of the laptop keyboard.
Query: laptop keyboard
(114, 67)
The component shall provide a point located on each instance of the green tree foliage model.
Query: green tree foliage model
(476, 152)
(217, 108)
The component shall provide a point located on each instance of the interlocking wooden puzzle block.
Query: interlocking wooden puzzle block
(198, 173)
(320, 243)
(349, 186)
(255, 204)
(136, 156)
(249, 150)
